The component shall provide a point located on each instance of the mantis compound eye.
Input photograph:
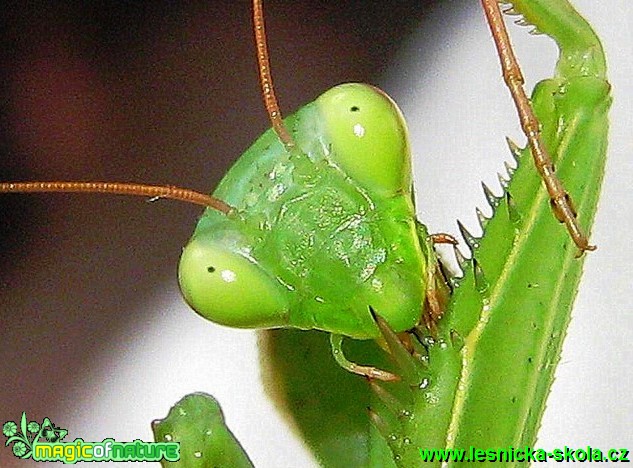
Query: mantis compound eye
(369, 137)
(228, 288)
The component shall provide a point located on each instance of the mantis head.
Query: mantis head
(320, 233)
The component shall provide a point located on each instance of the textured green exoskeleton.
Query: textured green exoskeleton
(318, 235)
(197, 423)
(482, 378)
(487, 372)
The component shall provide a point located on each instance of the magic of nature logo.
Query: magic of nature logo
(45, 442)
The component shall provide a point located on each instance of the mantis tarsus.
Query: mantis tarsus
(206, 182)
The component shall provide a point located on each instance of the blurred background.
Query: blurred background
(93, 332)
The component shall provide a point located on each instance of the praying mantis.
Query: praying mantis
(158, 208)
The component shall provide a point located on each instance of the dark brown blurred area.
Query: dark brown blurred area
(152, 92)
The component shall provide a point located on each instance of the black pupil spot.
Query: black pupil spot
(211, 269)
(354, 108)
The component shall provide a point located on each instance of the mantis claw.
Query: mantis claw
(370, 372)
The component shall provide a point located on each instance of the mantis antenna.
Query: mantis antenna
(119, 188)
(559, 198)
(266, 80)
